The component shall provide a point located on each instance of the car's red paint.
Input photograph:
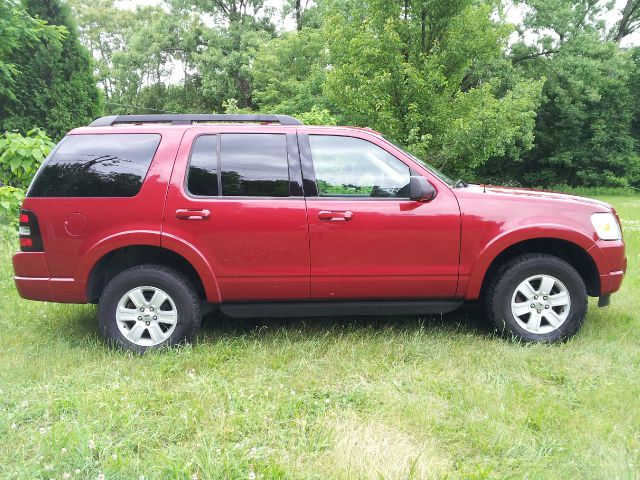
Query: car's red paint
(257, 248)
(493, 219)
(279, 249)
(391, 248)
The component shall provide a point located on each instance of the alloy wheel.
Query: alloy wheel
(146, 316)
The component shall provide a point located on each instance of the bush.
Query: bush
(10, 201)
(317, 116)
(20, 158)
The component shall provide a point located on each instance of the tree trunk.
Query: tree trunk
(423, 30)
(626, 18)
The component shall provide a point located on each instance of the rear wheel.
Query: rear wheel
(149, 306)
(537, 297)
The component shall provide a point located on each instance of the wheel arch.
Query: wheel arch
(569, 247)
(119, 259)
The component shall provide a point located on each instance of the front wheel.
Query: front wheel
(537, 298)
(149, 306)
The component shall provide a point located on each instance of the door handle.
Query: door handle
(335, 215)
(192, 214)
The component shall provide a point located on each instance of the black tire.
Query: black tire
(173, 283)
(501, 288)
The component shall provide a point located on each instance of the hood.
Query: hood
(541, 194)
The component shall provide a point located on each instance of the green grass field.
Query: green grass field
(323, 398)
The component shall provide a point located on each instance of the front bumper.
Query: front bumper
(611, 262)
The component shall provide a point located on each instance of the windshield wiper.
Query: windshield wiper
(460, 183)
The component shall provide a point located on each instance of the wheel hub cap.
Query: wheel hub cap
(540, 304)
(146, 316)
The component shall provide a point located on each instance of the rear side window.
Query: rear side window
(254, 165)
(250, 165)
(104, 165)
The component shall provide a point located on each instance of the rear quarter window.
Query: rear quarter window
(101, 165)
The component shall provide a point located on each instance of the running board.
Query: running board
(331, 308)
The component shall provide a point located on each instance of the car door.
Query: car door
(367, 238)
(236, 197)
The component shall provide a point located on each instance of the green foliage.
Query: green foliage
(58, 90)
(20, 158)
(317, 116)
(17, 30)
(231, 106)
(584, 132)
(10, 201)
(419, 73)
(289, 73)
(553, 100)
(225, 63)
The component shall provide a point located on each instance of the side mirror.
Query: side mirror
(420, 190)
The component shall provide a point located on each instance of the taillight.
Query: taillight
(29, 232)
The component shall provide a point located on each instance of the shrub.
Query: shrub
(20, 158)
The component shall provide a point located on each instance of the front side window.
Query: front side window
(352, 167)
(100, 165)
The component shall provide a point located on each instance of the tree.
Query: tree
(17, 30)
(299, 9)
(289, 73)
(418, 71)
(104, 30)
(225, 63)
(583, 126)
(61, 92)
(630, 20)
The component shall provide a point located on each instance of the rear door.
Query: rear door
(236, 197)
(368, 239)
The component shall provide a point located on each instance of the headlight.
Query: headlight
(606, 226)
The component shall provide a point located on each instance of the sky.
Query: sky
(514, 15)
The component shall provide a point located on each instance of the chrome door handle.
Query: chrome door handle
(335, 215)
(192, 214)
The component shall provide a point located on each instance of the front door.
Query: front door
(237, 198)
(368, 239)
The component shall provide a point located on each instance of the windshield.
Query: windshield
(429, 167)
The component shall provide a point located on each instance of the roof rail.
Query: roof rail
(188, 119)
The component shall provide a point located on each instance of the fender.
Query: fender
(108, 244)
(153, 239)
(511, 237)
(198, 261)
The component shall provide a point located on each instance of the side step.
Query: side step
(330, 308)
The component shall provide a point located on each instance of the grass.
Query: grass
(325, 398)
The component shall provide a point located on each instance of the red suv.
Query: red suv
(155, 216)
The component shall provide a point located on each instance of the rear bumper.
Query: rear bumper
(62, 290)
(34, 283)
(34, 288)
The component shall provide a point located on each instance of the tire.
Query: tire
(133, 313)
(520, 302)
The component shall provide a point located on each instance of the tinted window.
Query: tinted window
(346, 166)
(108, 165)
(254, 165)
(203, 167)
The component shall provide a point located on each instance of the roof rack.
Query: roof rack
(188, 119)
